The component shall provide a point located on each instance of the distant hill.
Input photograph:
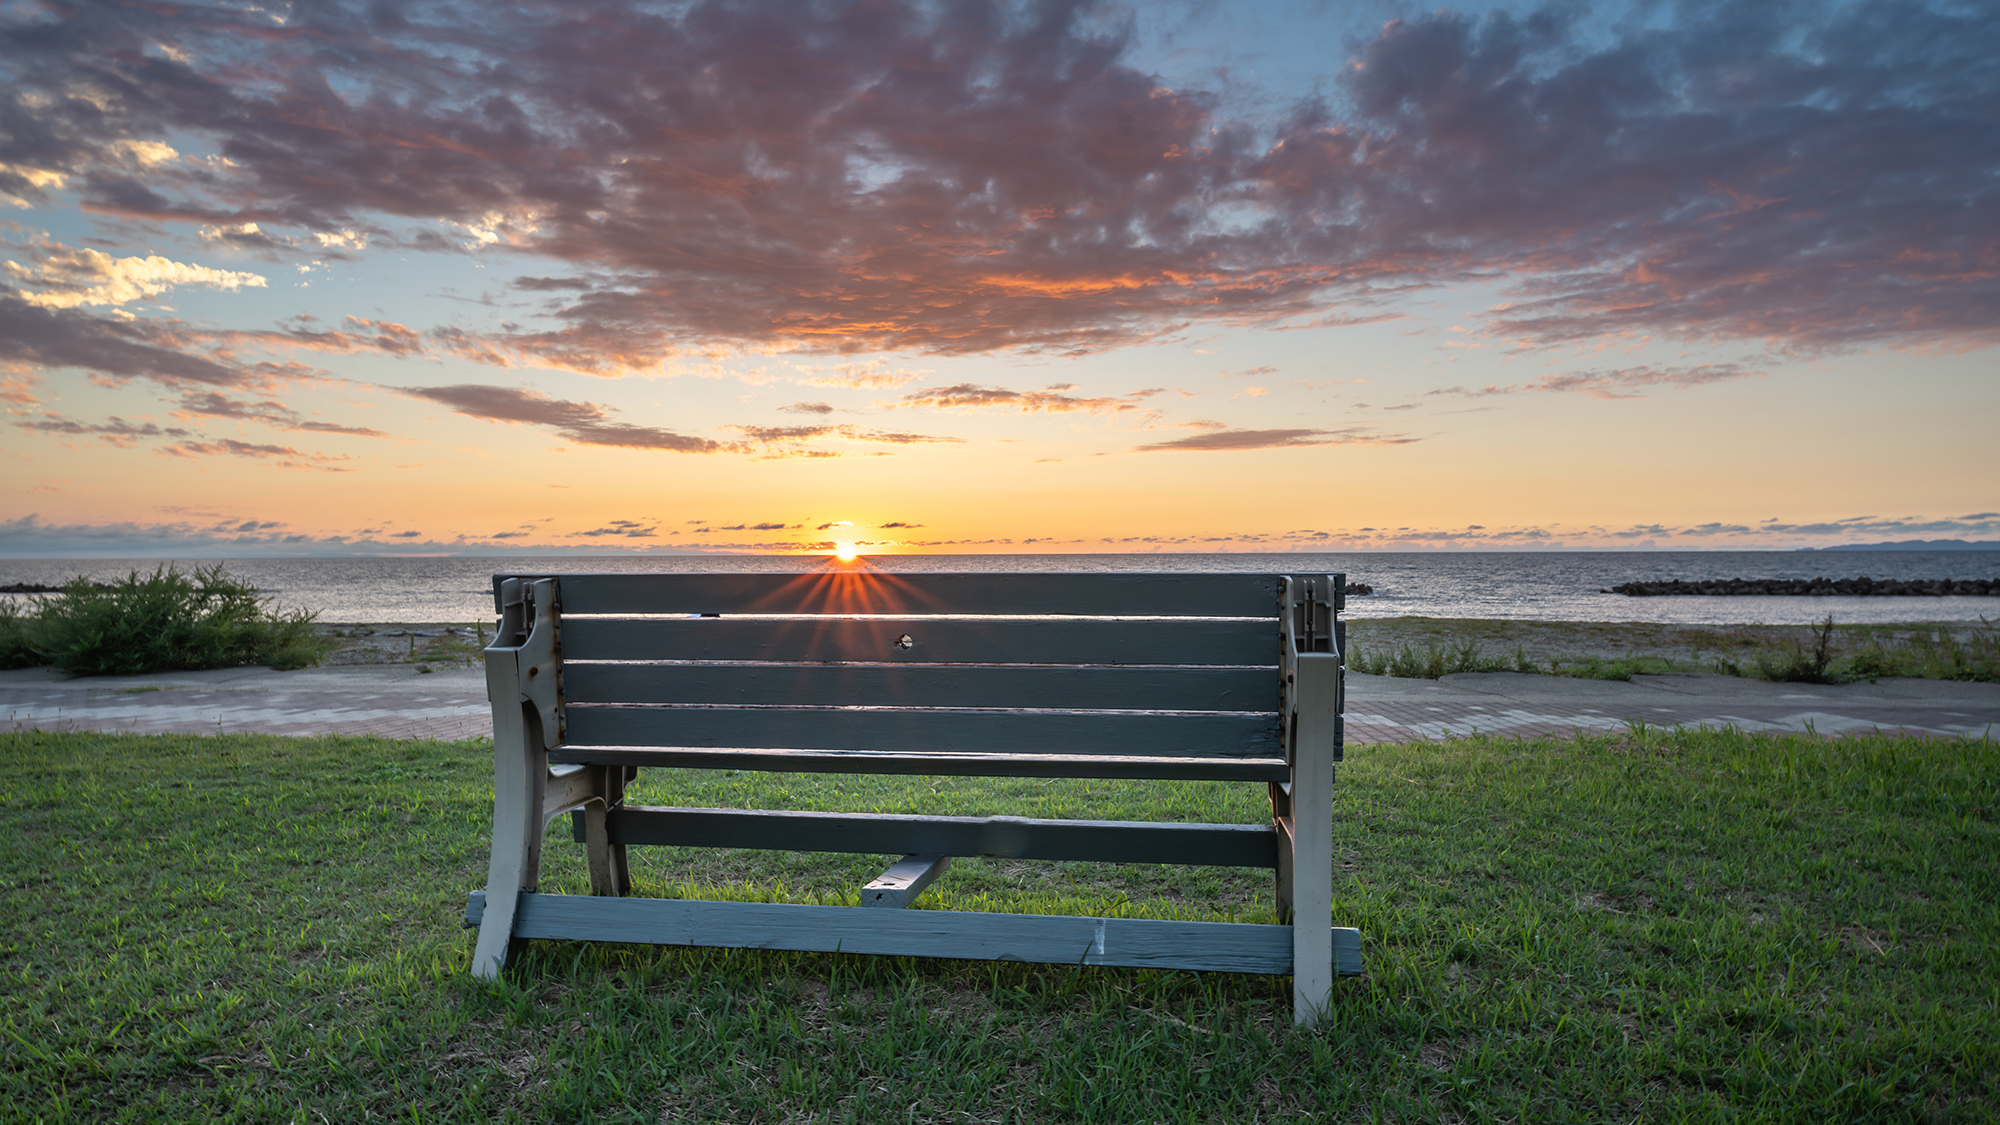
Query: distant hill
(1918, 545)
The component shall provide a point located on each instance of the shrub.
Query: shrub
(169, 621)
(14, 649)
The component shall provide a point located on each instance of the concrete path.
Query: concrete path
(451, 703)
(387, 699)
(1384, 709)
(397, 701)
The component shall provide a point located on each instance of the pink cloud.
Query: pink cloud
(1216, 441)
(857, 175)
(585, 423)
(1621, 382)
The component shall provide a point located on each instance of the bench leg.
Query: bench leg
(1311, 836)
(1281, 878)
(519, 767)
(614, 795)
(609, 874)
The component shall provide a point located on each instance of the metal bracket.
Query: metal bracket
(1309, 621)
(1317, 601)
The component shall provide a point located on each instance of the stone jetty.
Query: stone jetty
(1814, 587)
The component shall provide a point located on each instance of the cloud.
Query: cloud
(35, 336)
(872, 375)
(211, 404)
(1231, 440)
(1618, 383)
(62, 278)
(628, 529)
(1051, 401)
(117, 431)
(962, 178)
(585, 423)
(279, 456)
(245, 236)
(791, 441)
(806, 408)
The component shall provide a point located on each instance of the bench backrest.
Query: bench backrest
(852, 659)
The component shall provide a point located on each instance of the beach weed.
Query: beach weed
(1431, 660)
(168, 620)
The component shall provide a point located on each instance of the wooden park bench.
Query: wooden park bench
(848, 669)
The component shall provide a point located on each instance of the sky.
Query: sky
(329, 278)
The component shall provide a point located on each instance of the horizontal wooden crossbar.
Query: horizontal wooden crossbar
(932, 765)
(917, 641)
(1142, 943)
(855, 590)
(1135, 688)
(1202, 734)
(1104, 841)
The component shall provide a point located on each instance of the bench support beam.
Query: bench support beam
(1004, 837)
(899, 886)
(1058, 939)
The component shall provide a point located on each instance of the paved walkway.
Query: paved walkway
(397, 701)
(1384, 709)
(387, 699)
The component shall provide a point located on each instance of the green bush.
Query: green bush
(167, 621)
(14, 649)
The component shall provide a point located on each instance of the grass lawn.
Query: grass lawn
(1652, 927)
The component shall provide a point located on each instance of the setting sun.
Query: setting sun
(845, 552)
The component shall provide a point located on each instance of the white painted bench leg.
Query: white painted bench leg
(1311, 835)
(519, 764)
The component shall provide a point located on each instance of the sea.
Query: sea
(1540, 585)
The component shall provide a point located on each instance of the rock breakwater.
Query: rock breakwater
(42, 588)
(1814, 587)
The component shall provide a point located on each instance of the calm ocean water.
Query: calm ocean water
(1559, 586)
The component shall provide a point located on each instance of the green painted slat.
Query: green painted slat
(940, 641)
(1204, 735)
(1129, 767)
(846, 589)
(1137, 688)
(1007, 837)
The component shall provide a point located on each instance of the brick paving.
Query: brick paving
(396, 701)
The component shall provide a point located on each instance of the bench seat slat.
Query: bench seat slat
(845, 590)
(1205, 735)
(957, 685)
(1213, 845)
(933, 765)
(1059, 939)
(935, 641)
